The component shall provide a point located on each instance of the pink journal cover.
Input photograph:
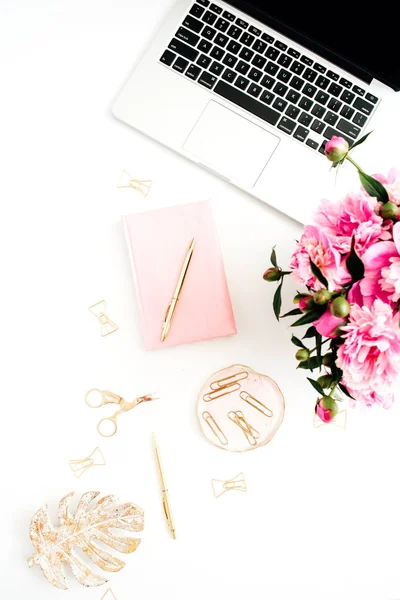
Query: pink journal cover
(158, 241)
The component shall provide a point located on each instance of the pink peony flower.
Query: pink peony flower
(370, 355)
(327, 324)
(336, 149)
(392, 185)
(355, 215)
(382, 270)
(314, 244)
(323, 413)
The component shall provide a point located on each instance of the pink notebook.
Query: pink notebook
(158, 241)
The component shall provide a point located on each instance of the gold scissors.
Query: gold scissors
(95, 398)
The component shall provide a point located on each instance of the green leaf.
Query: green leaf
(354, 264)
(318, 274)
(273, 257)
(292, 313)
(308, 317)
(297, 342)
(316, 386)
(311, 364)
(311, 332)
(360, 141)
(345, 391)
(373, 187)
(277, 302)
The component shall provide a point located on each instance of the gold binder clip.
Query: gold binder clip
(215, 428)
(96, 459)
(219, 392)
(106, 325)
(228, 381)
(340, 420)
(238, 418)
(108, 595)
(257, 404)
(140, 185)
(237, 483)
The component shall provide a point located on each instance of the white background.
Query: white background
(320, 519)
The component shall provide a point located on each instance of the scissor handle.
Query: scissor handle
(98, 393)
(113, 421)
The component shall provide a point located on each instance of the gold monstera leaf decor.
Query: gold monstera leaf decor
(94, 520)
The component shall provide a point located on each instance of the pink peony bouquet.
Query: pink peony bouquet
(348, 260)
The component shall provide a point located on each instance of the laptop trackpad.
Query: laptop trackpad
(230, 144)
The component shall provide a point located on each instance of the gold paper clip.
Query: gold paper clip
(340, 420)
(238, 418)
(108, 595)
(257, 404)
(96, 459)
(106, 325)
(141, 185)
(215, 428)
(223, 391)
(227, 381)
(237, 483)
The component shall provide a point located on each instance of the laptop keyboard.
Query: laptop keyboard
(264, 76)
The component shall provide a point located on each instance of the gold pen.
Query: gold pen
(174, 302)
(164, 489)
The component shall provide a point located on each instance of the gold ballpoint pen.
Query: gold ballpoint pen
(174, 302)
(164, 489)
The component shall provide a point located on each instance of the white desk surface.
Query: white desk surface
(320, 520)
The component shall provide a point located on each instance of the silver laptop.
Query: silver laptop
(252, 91)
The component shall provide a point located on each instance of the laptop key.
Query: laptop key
(358, 90)
(334, 104)
(309, 90)
(242, 67)
(229, 75)
(267, 81)
(247, 39)
(230, 60)
(168, 57)
(207, 79)
(204, 2)
(204, 46)
(267, 38)
(318, 126)
(208, 33)
(305, 103)
(246, 54)
(347, 96)
(331, 118)
(284, 75)
(280, 45)
(187, 36)
(347, 112)
(312, 144)
(216, 9)
(252, 105)
(260, 46)
(242, 24)
(322, 82)
(363, 106)
(235, 32)
(318, 110)
(292, 96)
(284, 60)
(203, 61)
(180, 64)
(221, 40)
(330, 132)
(216, 68)
(280, 104)
(267, 97)
(297, 68)
(371, 98)
(228, 15)
(305, 119)
(322, 97)
(306, 60)
(193, 72)
(292, 111)
(241, 82)
(294, 53)
(196, 10)
(255, 74)
(360, 119)
(280, 89)
(332, 75)
(348, 128)
(271, 68)
(335, 89)
(345, 83)
(209, 18)
(183, 49)
(310, 74)
(258, 61)
(233, 47)
(319, 68)
(301, 133)
(296, 82)
(322, 147)
(254, 90)
(222, 25)
(255, 31)
(286, 125)
(217, 53)
(272, 53)
(193, 24)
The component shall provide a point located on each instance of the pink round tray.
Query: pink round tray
(239, 409)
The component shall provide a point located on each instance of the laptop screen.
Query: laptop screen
(359, 39)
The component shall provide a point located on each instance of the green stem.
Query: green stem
(322, 343)
(333, 387)
(353, 162)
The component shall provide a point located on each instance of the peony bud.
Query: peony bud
(327, 409)
(325, 381)
(336, 149)
(322, 297)
(302, 354)
(340, 308)
(327, 359)
(272, 274)
(389, 210)
(306, 303)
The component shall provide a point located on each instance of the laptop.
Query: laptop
(252, 90)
